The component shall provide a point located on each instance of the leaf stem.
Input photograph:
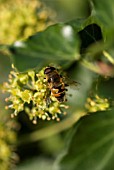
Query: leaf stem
(109, 57)
(90, 66)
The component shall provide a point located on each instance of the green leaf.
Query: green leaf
(103, 11)
(92, 146)
(103, 14)
(58, 44)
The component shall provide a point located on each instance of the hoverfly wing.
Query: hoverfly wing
(71, 83)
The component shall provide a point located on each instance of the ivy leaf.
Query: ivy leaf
(103, 11)
(57, 44)
(92, 146)
(103, 14)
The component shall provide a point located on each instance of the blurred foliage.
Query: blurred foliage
(8, 137)
(69, 9)
(36, 163)
(21, 19)
(83, 48)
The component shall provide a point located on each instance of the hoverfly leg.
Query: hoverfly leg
(48, 101)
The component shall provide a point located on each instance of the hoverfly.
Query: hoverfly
(56, 83)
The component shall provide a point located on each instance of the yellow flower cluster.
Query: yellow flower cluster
(97, 104)
(7, 140)
(29, 92)
(22, 18)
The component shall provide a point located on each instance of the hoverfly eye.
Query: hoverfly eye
(49, 70)
(46, 71)
(52, 68)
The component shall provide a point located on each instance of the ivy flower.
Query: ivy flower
(97, 104)
(29, 92)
